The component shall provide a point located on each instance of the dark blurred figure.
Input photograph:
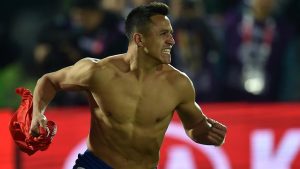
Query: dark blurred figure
(136, 3)
(254, 44)
(8, 50)
(19, 24)
(196, 51)
(117, 7)
(88, 31)
(290, 84)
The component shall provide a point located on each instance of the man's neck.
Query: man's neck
(140, 63)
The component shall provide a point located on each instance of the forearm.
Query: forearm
(43, 93)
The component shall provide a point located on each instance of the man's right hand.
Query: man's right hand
(38, 121)
(217, 133)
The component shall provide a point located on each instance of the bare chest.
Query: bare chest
(130, 101)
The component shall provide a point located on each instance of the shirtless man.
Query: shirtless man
(132, 97)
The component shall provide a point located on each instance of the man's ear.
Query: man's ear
(138, 39)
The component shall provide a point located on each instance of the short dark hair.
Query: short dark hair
(139, 18)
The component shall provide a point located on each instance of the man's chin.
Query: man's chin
(166, 60)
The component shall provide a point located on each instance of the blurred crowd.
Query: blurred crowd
(233, 50)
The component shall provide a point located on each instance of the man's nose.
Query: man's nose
(171, 40)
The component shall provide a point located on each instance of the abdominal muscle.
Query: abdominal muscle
(126, 145)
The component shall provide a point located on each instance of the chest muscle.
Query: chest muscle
(129, 101)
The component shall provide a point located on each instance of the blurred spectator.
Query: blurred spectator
(88, 31)
(196, 51)
(136, 3)
(19, 22)
(254, 44)
(255, 41)
(115, 6)
(8, 50)
(290, 83)
(290, 10)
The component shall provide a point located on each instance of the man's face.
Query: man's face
(159, 39)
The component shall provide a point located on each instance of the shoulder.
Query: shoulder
(178, 77)
(93, 64)
(105, 67)
(181, 83)
(90, 72)
(87, 68)
(87, 63)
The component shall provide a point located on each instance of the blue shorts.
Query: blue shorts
(87, 160)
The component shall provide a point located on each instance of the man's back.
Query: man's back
(130, 113)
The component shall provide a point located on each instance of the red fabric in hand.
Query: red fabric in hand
(20, 126)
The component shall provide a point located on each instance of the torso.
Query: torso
(130, 115)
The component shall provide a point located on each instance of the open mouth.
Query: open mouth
(166, 51)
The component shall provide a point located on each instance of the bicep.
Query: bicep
(188, 110)
(75, 77)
